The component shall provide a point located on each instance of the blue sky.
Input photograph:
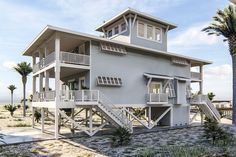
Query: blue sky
(21, 21)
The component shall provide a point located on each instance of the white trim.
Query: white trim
(158, 76)
(145, 31)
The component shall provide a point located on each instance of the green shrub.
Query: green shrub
(214, 133)
(37, 116)
(147, 152)
(10, 108)
(18, 106)
(121, 136)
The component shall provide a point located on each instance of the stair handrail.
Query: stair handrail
(116, 111)
(210, 105)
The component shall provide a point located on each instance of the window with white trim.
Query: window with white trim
(109, 81)
(116, 30)
(109, 34)
(141, 29)
(149, 32)
(157, 34)
(122, 27)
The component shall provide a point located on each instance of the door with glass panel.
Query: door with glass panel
(155, 89)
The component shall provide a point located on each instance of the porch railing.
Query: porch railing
(44, 96)
(68, 95)
(157, 98)
(73, 58)
(196, 75)
(65, 57)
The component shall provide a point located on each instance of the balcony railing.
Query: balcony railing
(157, 98)
(65, 57)
(72, 58)
(44, 96)
(68, 95)
(196, 75)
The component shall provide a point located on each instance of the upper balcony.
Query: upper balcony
(195, 76)
(65, 57)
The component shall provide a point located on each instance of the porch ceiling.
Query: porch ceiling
(65, 71)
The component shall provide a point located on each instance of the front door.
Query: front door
(155, 87)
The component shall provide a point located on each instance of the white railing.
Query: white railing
(203, 99)
(65, 57)
(86, 96)
(196, 75)
(157, 97)
(44, 96)
(72, 58)
(44, 62)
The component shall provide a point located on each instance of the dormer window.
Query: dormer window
(116, 30)
(149, 32)
(109, 34)
(123, 27)
(141, 29)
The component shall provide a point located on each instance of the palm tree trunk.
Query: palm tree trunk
(11, 98)
(234, 88)
(24, 99)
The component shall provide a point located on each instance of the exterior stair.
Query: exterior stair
(206, 106)
(113, 114)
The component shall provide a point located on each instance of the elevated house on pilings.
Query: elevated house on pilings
(125, 78)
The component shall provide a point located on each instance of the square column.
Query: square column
(57, 82)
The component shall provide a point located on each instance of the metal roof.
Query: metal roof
(49, 30)
(140, 14)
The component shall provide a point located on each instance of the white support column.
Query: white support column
(32, 117)
(42, 119)
(149, 116)
(201, 83)
(90, 120)
(171, 116)
(57, 82)
(46, 73)
(34, 85)
(33, 59)
(45, 51)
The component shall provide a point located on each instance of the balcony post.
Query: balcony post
(34, 85)
(57, 83)
(41, 84)
(201, 77)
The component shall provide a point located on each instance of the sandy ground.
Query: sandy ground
(57, 148)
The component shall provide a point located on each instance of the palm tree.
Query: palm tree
(224, 24)
(11, 88)
(24, 69)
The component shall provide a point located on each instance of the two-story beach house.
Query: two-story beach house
(124, 78)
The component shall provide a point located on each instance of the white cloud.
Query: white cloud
(193, 36)
(220, 72)
(218, 79)
(9, 64)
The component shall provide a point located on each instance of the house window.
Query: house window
(149, 32)
(123, 27)
(109, 81)
(141, 29)
(157, 34)
(155, 87)
(117, 30)
(109, 34)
